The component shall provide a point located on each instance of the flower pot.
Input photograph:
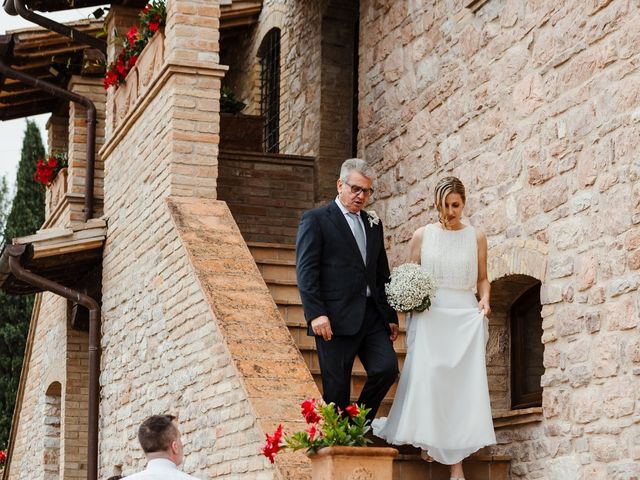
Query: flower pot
(353, 463)
(56, 190)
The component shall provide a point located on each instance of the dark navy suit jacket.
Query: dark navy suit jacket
(331, 275)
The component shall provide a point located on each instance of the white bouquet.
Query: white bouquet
(410, 288)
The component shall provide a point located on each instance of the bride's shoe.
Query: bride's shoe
(424, 455)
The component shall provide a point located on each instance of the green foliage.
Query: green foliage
(25, 217)
(5, 204)
(27, 210)
(229, 103)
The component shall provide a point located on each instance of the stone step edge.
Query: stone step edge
(473, 457)
(275, 246)
(276, 261)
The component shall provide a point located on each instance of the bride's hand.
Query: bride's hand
(484, 307)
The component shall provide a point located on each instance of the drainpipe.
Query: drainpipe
(16, 253)
(13, 7)
(7, 71)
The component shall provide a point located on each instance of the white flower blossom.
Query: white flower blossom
(410, 288)
(373, 217)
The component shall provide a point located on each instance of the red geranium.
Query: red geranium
(309, 411)
(152, 17)
(47, 170)
(352, 410)
(272, 445)
(3, 457)
(326, 427)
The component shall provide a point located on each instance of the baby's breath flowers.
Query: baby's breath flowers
(410, 288)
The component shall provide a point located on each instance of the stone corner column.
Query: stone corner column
(192, 46)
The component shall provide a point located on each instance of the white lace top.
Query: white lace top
(451, 256)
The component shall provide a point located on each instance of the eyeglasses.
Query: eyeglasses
(356, 190)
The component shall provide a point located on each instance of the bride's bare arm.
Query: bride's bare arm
(484, 286)
(415, 245)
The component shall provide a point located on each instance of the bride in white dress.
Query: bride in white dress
(442, 401)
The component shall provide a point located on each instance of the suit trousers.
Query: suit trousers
(374, 348)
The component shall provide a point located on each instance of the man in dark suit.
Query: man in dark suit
(341, 269)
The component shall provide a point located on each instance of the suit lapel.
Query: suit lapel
(337, 218)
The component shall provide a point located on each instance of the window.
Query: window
(269, 54)
(526, 350)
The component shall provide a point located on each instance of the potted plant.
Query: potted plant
(237, 130)
(336, 444)
(51, 173)
(152, 18)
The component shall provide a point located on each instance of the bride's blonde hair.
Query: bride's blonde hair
(443, 188)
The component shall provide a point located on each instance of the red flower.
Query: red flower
(3, 457)
(352, 410)
(132, 35)
(132, 61)
(312, 431)
(146, 9)
(110, 79)
(309, 411)
(154, 26)
(52, 162)
(120, 68)
(272, 445)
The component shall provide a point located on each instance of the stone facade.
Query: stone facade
(55, 379)
(534, 106)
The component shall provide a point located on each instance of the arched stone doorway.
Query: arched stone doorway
(514, 352)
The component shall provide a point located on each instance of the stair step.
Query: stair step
(272, 251)
(476, 467)
(281, 281)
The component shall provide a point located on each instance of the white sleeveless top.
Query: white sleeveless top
(451, 256)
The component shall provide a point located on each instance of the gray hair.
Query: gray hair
(359, 166)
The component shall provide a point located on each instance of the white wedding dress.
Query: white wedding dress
(442, 401)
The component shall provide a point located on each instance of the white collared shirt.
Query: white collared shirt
(160, 469)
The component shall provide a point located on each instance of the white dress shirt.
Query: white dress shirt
(160, 469)
(352, 226)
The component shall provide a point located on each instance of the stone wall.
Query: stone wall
(534, 106)
(266, 193)
(49, 359)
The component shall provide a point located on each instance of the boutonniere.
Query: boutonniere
(373, 217)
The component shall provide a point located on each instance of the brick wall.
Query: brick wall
(266, 193)
(163, 349)
(534, 106)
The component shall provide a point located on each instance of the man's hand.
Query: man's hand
(394, 331)
(322, 327)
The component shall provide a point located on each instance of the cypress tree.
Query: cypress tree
(25, 217)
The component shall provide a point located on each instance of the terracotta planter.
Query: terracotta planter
(353, 463)
(57, 190)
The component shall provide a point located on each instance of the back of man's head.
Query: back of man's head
(157, 433)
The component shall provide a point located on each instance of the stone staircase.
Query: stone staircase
(276, 263)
